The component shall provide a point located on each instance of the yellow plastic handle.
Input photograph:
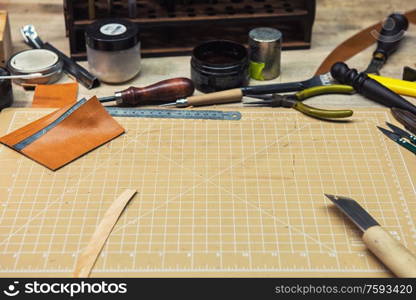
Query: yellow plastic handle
(402, 87)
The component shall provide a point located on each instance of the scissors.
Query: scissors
(400, 136)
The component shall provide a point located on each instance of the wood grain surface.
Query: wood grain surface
(336, 20)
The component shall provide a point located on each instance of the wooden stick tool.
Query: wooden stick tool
(388, 250)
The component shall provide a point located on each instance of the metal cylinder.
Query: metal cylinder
(265, 50)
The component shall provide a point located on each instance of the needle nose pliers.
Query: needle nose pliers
(295, 101)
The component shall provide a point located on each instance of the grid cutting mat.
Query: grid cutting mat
(215, 198)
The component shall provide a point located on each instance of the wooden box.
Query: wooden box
(5, 38)
(170, 27)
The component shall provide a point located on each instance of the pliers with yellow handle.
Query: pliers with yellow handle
(295, 101)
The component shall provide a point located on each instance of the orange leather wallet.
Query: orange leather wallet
(66, 134)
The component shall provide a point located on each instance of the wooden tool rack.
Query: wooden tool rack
(170, 27)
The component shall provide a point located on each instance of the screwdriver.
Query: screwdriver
(162, 91)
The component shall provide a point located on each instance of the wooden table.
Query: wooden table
(335, 21)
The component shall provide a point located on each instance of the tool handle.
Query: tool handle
(407, 145)
(321, 113)
(274, 88)
(402, 87)
(162, 91)
(392, 253)
(406, 118)
(390, 36)
(324, 89)
(369, 87)
(228, 96)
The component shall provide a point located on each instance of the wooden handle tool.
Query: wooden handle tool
(162, 91)
(388, 250)
(228, 96)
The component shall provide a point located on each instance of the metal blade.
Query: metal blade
(374, 66)
(168, 104)
(409, 74)
(399, 131)
(394, 136)
(107, 99)
(354, 211)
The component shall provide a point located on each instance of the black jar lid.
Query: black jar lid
(220, 54)
(112, 35)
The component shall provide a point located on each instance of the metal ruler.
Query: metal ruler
(173, 114)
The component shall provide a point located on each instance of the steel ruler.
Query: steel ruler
(173, 114)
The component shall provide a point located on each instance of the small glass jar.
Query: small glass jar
(113, 50)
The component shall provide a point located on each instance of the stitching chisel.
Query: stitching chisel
(387, 249)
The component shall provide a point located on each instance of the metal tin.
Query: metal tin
(32, 61)
(6, 92)
(265, 51)
(219, 65)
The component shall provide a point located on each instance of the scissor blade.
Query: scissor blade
(399, 131)
(394, 136)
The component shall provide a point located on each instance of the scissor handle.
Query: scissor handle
(324, 89)
(322, 113)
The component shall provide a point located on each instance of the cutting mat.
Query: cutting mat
(215, 198)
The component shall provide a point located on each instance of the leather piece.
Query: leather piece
(55, 95)
(355, 45)
(82, 131)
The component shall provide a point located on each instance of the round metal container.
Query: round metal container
(265, 50)
(32, 61)
(219, 65)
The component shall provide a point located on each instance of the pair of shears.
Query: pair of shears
(295, 101)
(400, 136)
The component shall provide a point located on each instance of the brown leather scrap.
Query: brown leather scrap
(55, 95)
(64, 135)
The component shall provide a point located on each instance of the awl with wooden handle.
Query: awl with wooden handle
(162, 91)
(228, 96)
(236, 95)
(390, 251)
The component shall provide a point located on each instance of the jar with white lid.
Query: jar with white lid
(113, 50)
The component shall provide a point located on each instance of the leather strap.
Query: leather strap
(356, 44)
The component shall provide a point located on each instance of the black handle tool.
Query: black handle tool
(369, 88)
(388, 42)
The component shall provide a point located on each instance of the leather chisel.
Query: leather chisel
(387, 249)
